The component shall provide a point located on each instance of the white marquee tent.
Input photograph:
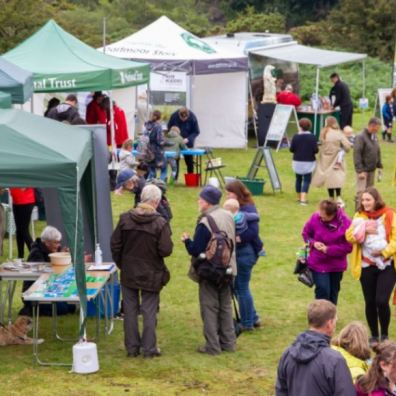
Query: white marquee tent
(216, 80)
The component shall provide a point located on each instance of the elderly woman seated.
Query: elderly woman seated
(49, 242)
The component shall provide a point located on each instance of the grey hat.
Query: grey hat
(211, 195)
(123, 177)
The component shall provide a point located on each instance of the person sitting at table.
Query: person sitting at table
(49, 242)
(187, 122)
(288, 97)
(174, 142)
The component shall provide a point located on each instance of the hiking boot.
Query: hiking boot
(150, 355)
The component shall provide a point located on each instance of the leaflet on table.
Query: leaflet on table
(64, 285)
(101, 267)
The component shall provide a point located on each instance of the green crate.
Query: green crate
(255, 186)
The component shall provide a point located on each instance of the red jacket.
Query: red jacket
(120, 126)
(288, 98)
(95, 114)
(22, 196)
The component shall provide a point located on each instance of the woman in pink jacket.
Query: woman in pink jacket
(380, 379)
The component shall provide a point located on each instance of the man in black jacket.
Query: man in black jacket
(67, 112)
(309, 366)
(340, 97)
(139, 244)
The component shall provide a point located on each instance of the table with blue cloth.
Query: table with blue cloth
(195, 152)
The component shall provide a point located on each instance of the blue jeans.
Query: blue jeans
(152, 173)
(303, 182)
(246, 259)
(327, 285)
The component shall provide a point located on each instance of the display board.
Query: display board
(264, 153)
(271, 168)
(279, 122)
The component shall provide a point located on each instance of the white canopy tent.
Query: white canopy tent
(293, 52)
(216, 79)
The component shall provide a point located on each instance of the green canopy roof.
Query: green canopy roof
(5, 100)
(62, 63)
(40, 152)
(15, 81)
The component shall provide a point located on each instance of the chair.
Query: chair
(213, 167)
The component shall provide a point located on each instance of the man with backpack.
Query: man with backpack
(213, 266)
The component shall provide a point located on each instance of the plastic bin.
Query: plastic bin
(91, 306)
(192, 179)
(255, 186)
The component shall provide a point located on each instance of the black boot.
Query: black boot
(383, 135)
(390, 140)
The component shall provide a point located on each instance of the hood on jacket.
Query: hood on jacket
(308, 345)
(173, 134)
(63, 108)
(143, 214)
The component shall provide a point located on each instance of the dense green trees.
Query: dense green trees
(358, 25)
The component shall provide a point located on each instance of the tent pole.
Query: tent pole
(317, 97)
(112, 130)
(104, 35)
(364, 77)
(253, 109)
(9, 215)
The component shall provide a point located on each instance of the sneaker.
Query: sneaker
(384, 338)
(304, 203)
(340, 203)
(257, 324)
(119, 316)
(262, 253)
(133, 354)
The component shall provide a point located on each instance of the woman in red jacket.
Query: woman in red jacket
(22, 206)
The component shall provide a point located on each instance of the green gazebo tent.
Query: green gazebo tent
(15, 81)
(62, 63)
(39, 152)
(5, 100)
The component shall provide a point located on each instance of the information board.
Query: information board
(279, 123)
(271, 168)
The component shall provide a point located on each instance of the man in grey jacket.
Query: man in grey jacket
(309, 366)
(367, 156)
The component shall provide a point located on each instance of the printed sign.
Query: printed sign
(168, 81)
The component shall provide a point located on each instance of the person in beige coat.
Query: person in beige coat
(331, 168)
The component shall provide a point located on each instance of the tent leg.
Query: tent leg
(112, 130)
(317, 97)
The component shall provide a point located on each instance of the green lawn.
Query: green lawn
(279, 298)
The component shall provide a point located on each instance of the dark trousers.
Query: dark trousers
(22, 216)
(140, 301)
(377, 287)
(303, 182)
(216, 313)
(346, 116)
(189, 160)
(327, 285)
(334, 192)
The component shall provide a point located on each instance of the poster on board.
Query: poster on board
(279, 122)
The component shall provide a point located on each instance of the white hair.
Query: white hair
(151, 193)
(51, 234)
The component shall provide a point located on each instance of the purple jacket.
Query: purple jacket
(332, 234)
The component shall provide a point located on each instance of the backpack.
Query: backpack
(214, 265)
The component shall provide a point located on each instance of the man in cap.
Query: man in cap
(215, 302)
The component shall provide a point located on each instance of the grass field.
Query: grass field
(280, 300)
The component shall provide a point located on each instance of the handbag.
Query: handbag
(237, 319)
(304, 274)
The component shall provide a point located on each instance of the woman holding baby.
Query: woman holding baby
(330, 168)
(373, 236)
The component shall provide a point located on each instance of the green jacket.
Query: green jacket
(174, 142)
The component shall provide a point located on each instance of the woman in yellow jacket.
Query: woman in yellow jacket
(374, 268)
(352, 343)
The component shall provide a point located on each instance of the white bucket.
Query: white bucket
(213, 181)
(85, 358)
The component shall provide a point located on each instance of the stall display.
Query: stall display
(317, 117)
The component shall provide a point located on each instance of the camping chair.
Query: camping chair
(213, 167)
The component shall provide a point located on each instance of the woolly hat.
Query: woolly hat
(123, 177)
(211, 195)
